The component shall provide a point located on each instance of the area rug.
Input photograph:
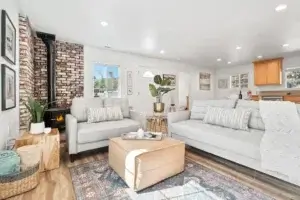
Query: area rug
(96, 180)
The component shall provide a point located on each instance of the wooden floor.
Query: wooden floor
(57, 184)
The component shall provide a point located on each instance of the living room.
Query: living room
(138, 100)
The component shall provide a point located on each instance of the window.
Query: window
(239, 81)
(293, 78)
(106, 81)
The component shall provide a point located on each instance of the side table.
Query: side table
(49, 144)
(157, 123)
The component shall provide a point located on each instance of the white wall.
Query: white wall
(187, 77)
(9, 120)
(226, 72)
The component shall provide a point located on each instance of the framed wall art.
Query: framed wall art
(129, 83)
(204, 81)
(8, 87)
(223, 83)
(8, 38)
(171, 77)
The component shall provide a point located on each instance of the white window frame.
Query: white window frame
(239, 78)
(286, 78)
(108, 65)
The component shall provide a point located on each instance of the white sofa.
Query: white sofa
(83, 136)
(239, 146)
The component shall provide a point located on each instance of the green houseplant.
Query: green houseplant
(158, 91)
(37, 111)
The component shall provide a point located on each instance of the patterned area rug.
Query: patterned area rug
(96, 180)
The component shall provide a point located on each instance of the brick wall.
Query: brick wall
(26, 74)
(69, 71)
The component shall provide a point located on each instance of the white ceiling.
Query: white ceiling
(194, 31)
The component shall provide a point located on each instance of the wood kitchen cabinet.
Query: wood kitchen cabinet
(268, 72)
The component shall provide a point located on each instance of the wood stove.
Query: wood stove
(54, 116)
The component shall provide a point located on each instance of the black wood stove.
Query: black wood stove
(54, 116)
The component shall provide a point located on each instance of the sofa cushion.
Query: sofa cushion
(228, 117)
(96, 115)
(121, 102)
(104, 130)
(240, 142)
(255, 120)
(113, 113)
(199, 107)
(79, 106)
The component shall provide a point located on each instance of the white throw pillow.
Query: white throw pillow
(227, 117)
(96, 115)
(114, 113)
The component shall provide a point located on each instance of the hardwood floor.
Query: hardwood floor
(57, 184)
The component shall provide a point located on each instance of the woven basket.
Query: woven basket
(14, 184)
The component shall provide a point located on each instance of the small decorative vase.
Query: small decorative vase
(37, 128)
(159, 107)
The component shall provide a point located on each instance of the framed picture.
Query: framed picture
(129, 83)
(8, 87)
(8, 38)
(223, 83)
(171, 77)
(204, 81)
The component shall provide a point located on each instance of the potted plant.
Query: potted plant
(37, 111)
(159, 91)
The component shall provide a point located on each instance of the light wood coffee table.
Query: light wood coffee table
(142, 163)
(50, 147)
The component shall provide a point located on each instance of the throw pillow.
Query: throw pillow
(113, 113)
(96, 115)
(226, 117)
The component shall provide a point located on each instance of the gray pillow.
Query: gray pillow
(114, 113)
(227, 117)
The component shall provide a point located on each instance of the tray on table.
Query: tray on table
(134, 136)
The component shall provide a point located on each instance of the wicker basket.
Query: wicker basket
(14, 184)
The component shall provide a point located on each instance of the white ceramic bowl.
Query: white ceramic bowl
(47, 130)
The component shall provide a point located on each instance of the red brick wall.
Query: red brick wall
(69, 71)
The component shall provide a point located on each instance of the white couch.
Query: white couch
(83, 136)
(239, 146)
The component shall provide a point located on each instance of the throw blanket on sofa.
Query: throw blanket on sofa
(280, 146)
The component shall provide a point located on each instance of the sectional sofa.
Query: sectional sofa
(242, 147)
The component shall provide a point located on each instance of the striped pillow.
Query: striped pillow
(226, 117)
(114, 113)
(96, 115)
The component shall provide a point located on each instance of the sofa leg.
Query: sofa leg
(72, 157)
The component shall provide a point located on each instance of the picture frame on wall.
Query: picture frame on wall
(8, 38)
(129, 83)
(8, 87)
(223, 83)
(171, 77)
(204, 81)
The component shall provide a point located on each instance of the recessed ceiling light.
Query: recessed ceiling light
(107, 46)
(238, 47)
(281, 7)
(219, 59)
(228, 62)
(162, 51)
(259, 57)
(103, 23)
(285, 45)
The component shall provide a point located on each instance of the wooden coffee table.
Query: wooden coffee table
(142, 163)
(50, 147)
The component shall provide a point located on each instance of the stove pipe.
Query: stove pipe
(49, 41)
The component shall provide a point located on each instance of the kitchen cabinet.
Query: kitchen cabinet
(268, 72)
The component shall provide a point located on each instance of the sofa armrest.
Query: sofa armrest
(71, 133)
(178, 116)
(138, 116)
